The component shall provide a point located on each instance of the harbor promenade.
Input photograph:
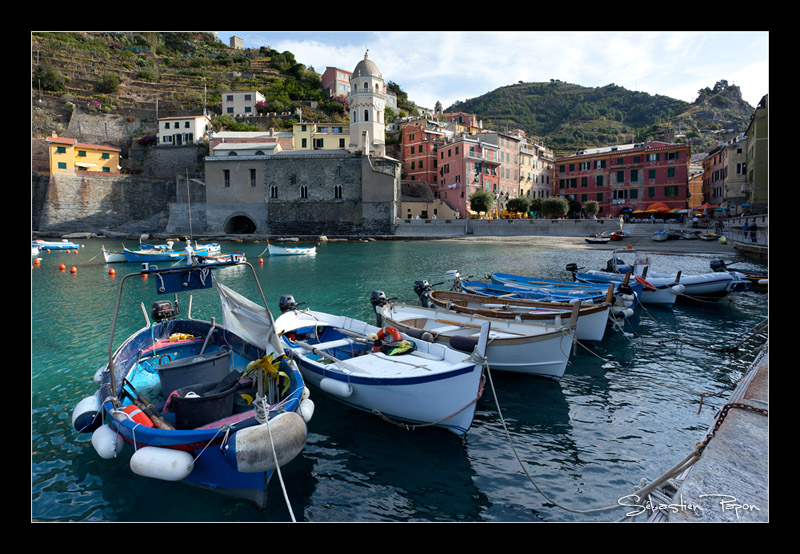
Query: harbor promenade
(730, 481)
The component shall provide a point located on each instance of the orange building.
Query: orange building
(68, 156)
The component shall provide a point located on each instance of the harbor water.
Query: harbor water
(539, 450)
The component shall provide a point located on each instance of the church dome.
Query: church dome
(367, 68)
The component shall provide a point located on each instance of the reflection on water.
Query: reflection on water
(625, 410)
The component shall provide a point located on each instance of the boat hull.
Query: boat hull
(136, 256)
(292, 250)
(592, 318)
(527, 348)
(54, 245)
(433, 385)
(174, 391)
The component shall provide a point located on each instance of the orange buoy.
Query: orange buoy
(261, 260)
(73, 269)
(62, 267)
(37, 261)
(111, 271)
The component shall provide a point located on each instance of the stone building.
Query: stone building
(352, 191)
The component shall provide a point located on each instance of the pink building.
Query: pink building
(336, 82)
(466, 165)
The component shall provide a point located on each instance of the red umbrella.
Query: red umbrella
(658, 207)
(706, 207)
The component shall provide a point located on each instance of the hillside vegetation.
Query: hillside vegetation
(182, 72)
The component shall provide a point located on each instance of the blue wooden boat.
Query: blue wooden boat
(53, 245)
(624, 310)
(569, 289)
(218, 407)
(161, 255)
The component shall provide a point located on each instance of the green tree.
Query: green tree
(48, 78)
(555, 206)
(591, 208)
(481, 201)
(108, 84)
(519, 205)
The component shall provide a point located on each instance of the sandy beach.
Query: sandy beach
(640, 243)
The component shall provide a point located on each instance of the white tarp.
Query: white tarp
(249, 320)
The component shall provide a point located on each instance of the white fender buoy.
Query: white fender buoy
(166, 464)
(678, 289)
(87, 415)
(250, 450)
(306, 393)
(306, 409)
(107, 442)
(335, 387)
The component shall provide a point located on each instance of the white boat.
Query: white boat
(666, 288)
(521, 347)
(426, 385)
(54, 245)
(592, 318)
(113, 256)
(291, 250)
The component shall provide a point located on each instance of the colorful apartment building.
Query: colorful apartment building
(320, 136)
(68, 156)
(626, 178)
(535, 170)
(466, 165)
(336, 82)
(421, 140)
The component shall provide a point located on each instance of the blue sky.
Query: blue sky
(447, 66)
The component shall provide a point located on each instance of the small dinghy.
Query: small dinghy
(383, 371)
(275, 250)
(217, 407)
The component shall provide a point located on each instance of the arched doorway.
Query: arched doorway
(240, 225)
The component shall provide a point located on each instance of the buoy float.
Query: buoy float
(337, 388)
(107, 442)
(37, 261)
(250, 450)
(111, 271)
(162, 463)
(261, 260)
(306, 409)
(87, 415)
(62, 267)
(73, 269)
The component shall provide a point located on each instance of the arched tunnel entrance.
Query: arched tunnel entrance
(240, 225)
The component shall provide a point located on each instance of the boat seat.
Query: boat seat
(330, 345)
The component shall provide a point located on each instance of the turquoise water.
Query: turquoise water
(625, 410)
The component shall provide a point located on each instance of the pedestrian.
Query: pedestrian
(753, 230)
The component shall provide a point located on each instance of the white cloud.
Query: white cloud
(448, 65)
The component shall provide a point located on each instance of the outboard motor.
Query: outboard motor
(162, 310)
(378, 300)
(286, 303)
(423, 289)
(573, 268)
(453, 278)
(718, 266)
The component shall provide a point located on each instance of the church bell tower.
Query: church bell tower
(367, 109)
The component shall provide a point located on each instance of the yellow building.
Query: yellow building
(320, 136)
(68, 156)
